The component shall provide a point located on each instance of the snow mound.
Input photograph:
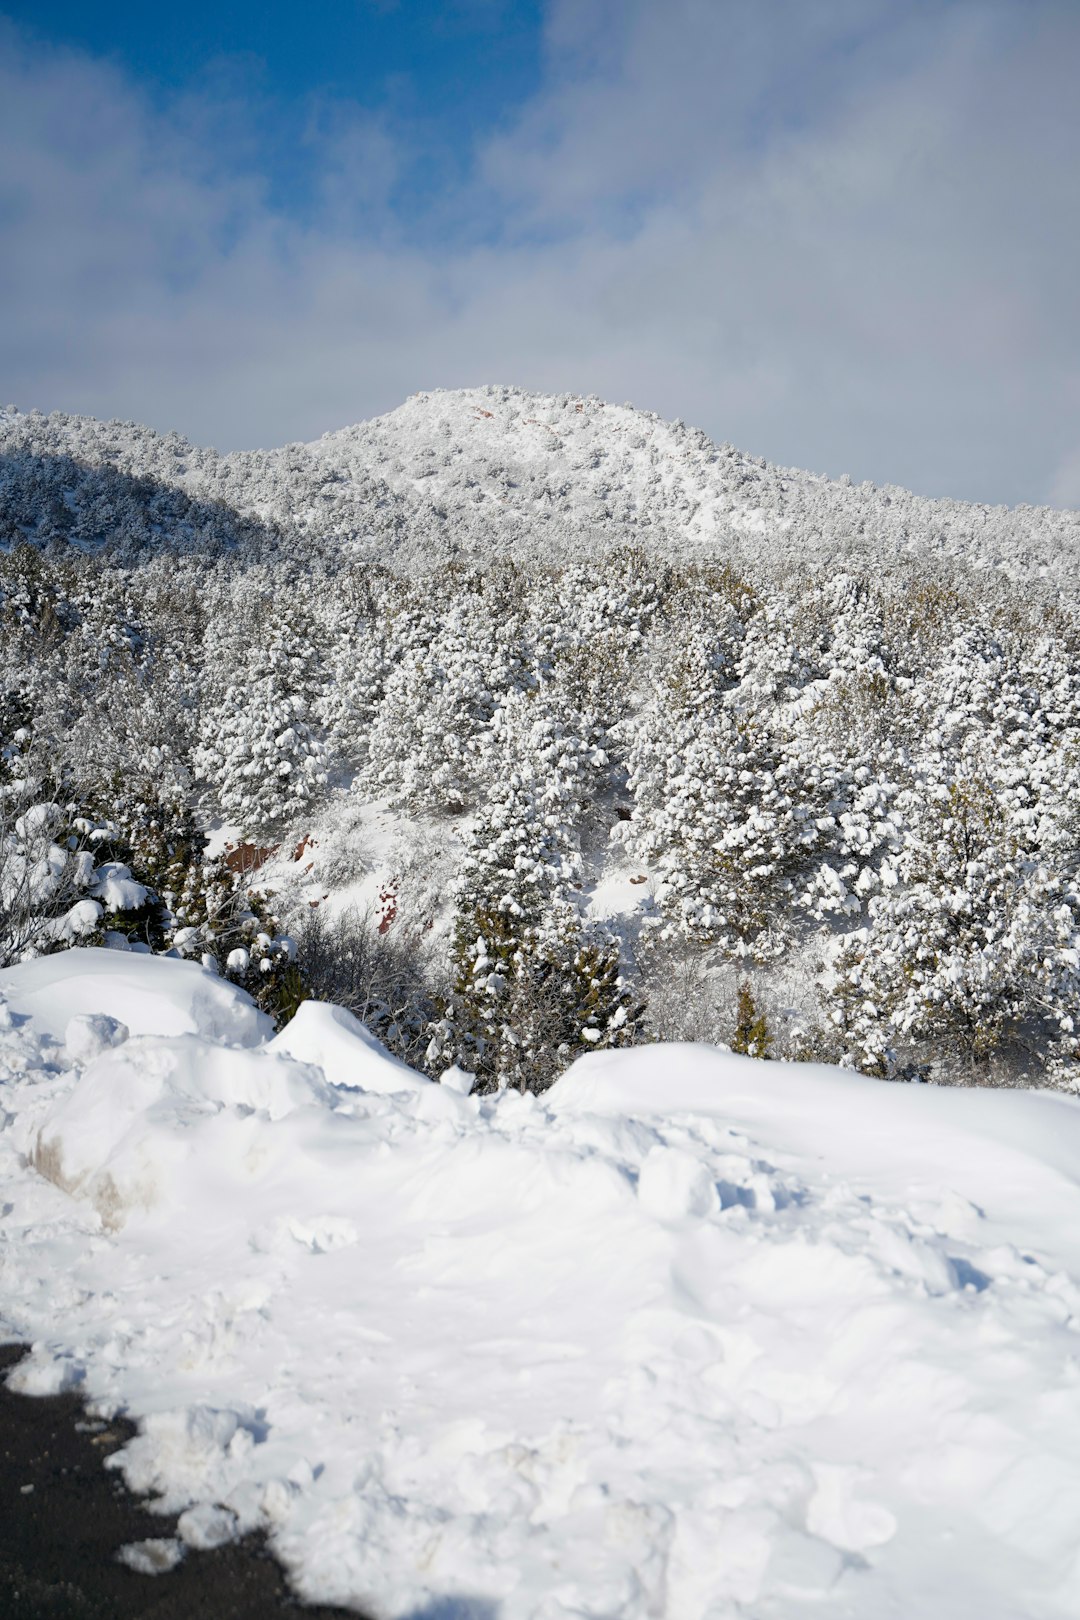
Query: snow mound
(89, 1034)
(348, 1054)
(151, 995)
(146, 1120)
(156, 1556)
(690, 1337)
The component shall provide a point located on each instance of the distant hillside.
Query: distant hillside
(681, 744)
(490, 472)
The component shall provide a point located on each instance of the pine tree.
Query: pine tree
(525, 1003)
(257, 750)
(752, 1037)
(971, 957)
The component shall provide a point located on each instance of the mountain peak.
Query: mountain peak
(496, 470)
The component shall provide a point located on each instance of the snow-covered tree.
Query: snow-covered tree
(258, 752)
(970, 959)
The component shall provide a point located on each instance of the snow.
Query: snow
(205, 1527)
(346, 1052)
(690, 1336)
(381, 860)
(151, 995)
(618, 893)
(89, 1034)
(116, 889)
(155, 1556)
(484, 471)
(81, 921)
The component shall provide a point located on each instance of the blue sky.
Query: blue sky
(438, 76)
(470, 59)
(840, 234)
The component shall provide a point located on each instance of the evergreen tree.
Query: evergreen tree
(971, 957)
(258, 750)
(752, 1037)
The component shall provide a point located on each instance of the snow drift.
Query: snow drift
(691, 1336)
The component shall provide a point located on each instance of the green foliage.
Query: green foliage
(280, 990)
(752, 1037)
(195, 906)
(525, 1003)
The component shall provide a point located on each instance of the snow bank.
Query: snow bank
(149, 1121)
(152, 995)
(348, 1053)
(691, 1337)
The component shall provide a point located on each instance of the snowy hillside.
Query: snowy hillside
(569, 473)
(692, 1336)
(487, 472)
(540, 725)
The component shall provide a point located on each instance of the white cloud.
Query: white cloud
(842, 235)
(1065, 488)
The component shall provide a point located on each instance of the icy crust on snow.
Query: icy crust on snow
(690, 1337)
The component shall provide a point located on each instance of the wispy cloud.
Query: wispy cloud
(842, 235)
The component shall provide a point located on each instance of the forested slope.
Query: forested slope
(608, 731)
(485, 472)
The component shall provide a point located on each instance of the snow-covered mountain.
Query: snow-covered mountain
(485, 472)
(672, 718)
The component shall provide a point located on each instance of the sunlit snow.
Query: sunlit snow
(690, 1336)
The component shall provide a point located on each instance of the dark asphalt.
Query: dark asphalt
(63, 1517)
